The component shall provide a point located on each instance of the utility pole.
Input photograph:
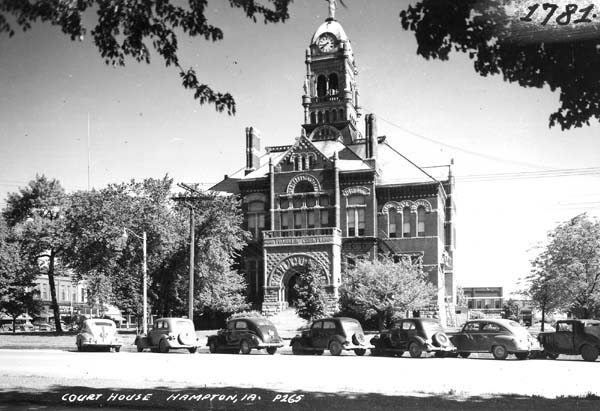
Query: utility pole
(191, 197)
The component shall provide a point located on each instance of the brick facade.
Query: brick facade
(335, 193)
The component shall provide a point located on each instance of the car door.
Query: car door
(487, 338)
(157, 331)
(329, 331)
(564, 337)
(238, 333)
(393, 334)
(316, 335)
(227, 334)
(407, 331)
(464, 341)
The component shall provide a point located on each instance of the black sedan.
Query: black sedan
(245, 334)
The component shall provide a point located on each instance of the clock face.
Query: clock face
(326, 42)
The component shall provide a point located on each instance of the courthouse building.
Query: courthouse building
(337, 193)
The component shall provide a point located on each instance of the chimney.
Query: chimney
(371, 136)
(252, 149)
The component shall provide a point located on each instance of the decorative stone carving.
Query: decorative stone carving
(303, 177)
(356, 190)
(278, 264)
(401, 205)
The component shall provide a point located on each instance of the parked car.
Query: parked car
(42, 325)
(98, 333)
(333, 334)
(169, 333)
(415, 335)
(573, 337)
(499, 337)
(245, 334)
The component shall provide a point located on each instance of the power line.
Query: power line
(464, 150)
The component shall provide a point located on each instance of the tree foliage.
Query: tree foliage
(36, 215)
(497, 45)
(132, 28)
(17, 278)
(566, 274)
(382, 288)
(310, 291)
(111, 264)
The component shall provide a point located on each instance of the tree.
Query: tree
(130, 28)
(499, 43)
(511, 310)
(17, 278)
(546, 287)
(219, 239)
(567, 272)
(382, 288)
(35, 214)
(461, 299)
(111, 264)
(310, 291)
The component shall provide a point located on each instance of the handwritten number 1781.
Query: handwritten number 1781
(563, 18)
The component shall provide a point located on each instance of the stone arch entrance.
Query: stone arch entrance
(282, 279)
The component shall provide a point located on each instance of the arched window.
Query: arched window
(333, 84)
(341, 114)
(421, 222)
(320, 117)
(256, 218)
(327, 116)
(321, 86)
(394, 223)
(355, 213)
(313, 118)
(304, 187)
(406, 222)
(334, 115)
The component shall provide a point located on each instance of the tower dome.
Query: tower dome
(335, 28)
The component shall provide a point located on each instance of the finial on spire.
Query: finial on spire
(332, 4)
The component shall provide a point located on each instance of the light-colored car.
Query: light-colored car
(169, 333)
(98, 333)
(496, 336)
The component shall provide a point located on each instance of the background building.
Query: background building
(336, 194)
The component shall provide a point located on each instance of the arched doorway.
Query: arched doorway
(291, 293)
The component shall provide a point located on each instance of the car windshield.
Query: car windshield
(351, 327)
(185, 325)
(432, 327)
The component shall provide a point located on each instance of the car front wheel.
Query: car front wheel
(415, 350)
(245, 347)
(360, 352)
(117, 349)
(192, 350)
(335, 348)
(163, 346)
(297, 348)
(140, 346)
(589, 353)
(499, 352)
(212, 346)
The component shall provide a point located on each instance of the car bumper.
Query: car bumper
(432, 348)
(268, 345)
(100, 345)
(358, 347)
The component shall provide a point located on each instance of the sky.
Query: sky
(142, 123)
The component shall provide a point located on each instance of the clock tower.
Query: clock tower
(331, 94)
